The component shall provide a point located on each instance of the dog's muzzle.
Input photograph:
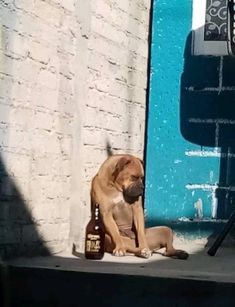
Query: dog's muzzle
(134, 190)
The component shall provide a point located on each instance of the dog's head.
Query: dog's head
(128, 177)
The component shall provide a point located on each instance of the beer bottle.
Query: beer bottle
(95, 236)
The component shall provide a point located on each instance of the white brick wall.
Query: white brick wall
(72, 79)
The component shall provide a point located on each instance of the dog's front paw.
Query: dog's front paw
(119, 251)
(145, 253)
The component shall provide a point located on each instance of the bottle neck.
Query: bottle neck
(96, 212)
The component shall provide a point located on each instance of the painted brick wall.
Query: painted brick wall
(37, 54)
(114, 92)
(208, 110)
(72, 80)
(208, 104)
(190, 139)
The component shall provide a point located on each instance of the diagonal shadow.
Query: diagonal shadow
(18, 233)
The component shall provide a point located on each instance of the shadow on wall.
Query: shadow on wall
(18, 233)
(207, 115)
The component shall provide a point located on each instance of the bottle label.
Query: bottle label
(93, 243)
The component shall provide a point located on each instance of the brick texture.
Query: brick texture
(72, 80)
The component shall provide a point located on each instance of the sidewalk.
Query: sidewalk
(66, 280)
(199, 265)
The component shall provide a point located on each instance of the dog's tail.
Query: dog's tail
(108, 149)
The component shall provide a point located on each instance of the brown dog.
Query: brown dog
(118, 189)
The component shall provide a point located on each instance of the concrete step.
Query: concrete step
(49, 287)
(68, 280)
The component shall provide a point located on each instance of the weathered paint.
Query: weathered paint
(183, 155)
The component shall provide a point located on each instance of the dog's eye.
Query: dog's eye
(134, 178)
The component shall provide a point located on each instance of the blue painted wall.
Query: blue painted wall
(190, 122)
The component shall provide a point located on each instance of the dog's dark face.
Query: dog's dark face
(128, 176)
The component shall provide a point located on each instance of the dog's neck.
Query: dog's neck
(118, 199)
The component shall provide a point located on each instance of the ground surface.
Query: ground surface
(199, 265)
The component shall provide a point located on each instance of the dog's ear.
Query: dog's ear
(120, 166)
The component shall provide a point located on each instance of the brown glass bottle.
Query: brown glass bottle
(95, 236)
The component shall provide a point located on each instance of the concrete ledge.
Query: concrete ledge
(67, 280)
(46, 287)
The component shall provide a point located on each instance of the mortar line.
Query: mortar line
(221, 74)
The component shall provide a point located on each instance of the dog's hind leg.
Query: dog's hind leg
(162, 236)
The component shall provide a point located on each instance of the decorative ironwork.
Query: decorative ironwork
(216, 20)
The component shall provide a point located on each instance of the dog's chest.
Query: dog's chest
(118, 199)
(122, 213)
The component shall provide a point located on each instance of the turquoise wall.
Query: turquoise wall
(189, 112)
